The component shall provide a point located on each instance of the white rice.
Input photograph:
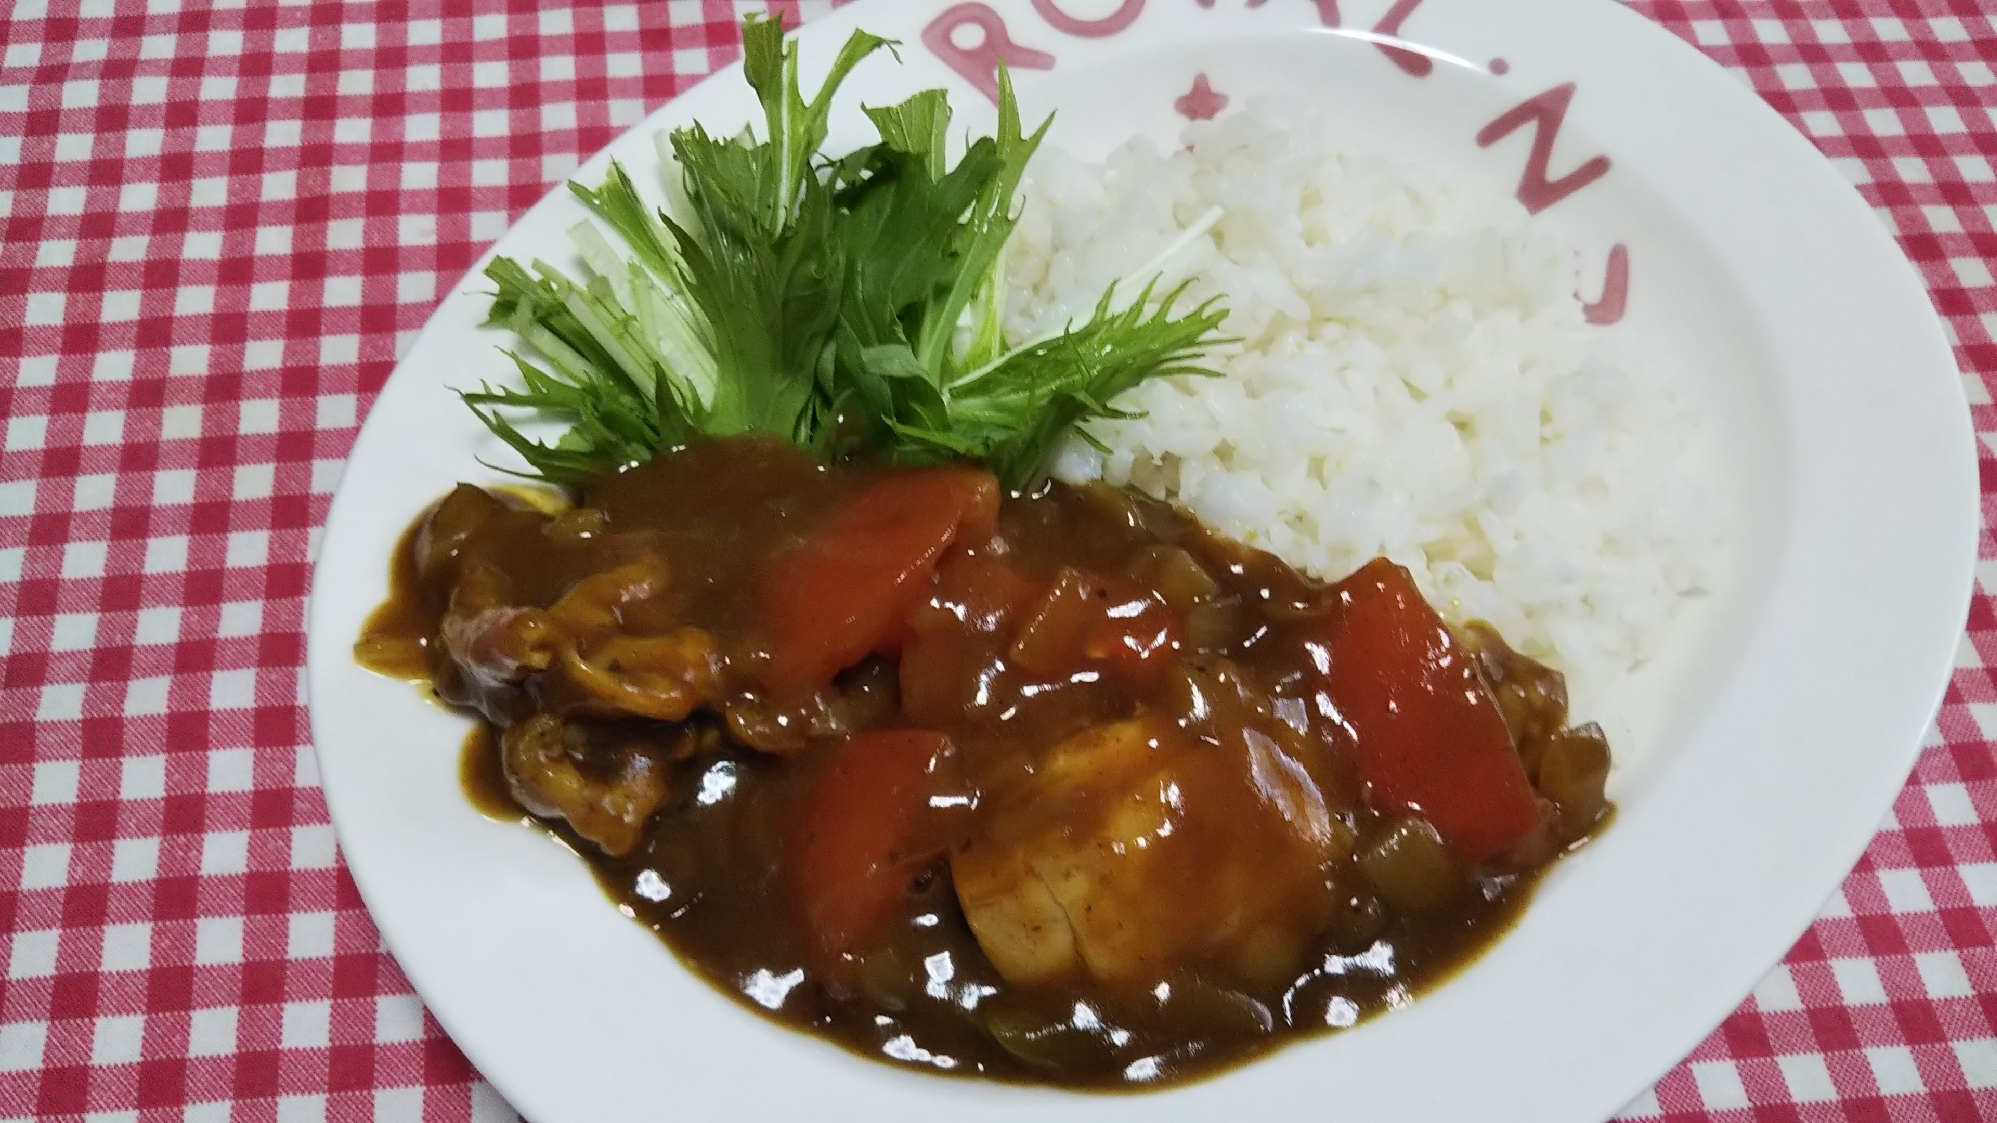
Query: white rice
(1415, 378)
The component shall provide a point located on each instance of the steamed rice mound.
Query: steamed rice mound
(1415, 378)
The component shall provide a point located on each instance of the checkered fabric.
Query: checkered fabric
(220, 225)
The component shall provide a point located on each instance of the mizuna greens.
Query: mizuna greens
(845, 304)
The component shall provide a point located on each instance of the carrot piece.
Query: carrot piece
(1428, 736)
(865, 830)
(848, 588)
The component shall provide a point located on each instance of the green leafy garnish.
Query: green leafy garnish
(856, 301)
(1012, 413)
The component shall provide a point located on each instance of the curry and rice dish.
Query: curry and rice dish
(870, 647)
(1059, 787)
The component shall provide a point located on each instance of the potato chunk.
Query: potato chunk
(1136, 849)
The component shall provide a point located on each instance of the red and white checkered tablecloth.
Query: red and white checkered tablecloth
(219, 226)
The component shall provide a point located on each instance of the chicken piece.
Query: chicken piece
(500, 646)
(626, 597)
(494, 642)
(620, 653)
(609, 643)
(662, 677)
(452, 523)
(606, 792)
(1136, 850)
(860, 699)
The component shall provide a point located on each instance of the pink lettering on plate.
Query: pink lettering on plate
(1102, 28)
(1545, 113)
(1615, 290)
(1327, 10)
(1414, 62)
(979, 65)
(1202, 102)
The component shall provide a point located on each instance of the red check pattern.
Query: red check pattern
(218, 228)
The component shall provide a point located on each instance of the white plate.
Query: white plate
(1777, 730)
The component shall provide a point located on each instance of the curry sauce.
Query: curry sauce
(1083, 795)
